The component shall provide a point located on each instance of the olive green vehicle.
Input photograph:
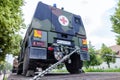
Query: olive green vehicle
(52, 34)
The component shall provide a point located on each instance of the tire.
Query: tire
(19, 72)
(14, 70)
(20, 69)
(76, 64)
(26, 62)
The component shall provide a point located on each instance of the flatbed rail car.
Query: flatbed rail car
(52, 34)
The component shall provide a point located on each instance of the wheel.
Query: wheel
(14, 70)
(20, 69)
(26, 62)
(19, 72)
(76, 64)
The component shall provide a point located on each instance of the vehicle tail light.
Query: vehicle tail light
(84, 41)
(50, 48)
(37, 33)
(38, 43)
(84, 49)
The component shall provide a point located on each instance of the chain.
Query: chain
(41, 74)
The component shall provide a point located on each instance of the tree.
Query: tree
(116, 22)
(105, 52)
(2, 65)
(5, 66)
(10, 23)
(95, 59)
(118, 39)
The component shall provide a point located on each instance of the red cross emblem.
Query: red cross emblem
(63, 20)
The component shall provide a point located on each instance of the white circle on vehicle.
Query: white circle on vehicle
(63, 20)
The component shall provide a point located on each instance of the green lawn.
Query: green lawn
(88, 70)
(102, 70)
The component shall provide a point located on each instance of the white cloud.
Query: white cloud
(91, 11)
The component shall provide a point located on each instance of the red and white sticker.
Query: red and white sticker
(63, 20)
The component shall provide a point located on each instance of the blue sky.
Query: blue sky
(95, 15)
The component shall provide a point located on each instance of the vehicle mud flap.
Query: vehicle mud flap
(84, 56)
(26, 62)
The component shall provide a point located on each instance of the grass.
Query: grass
(88, 70)
(102, 70)
(59, 71)
(5, 78)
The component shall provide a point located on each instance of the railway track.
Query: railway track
(66, 76)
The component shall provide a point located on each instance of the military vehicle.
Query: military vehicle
(52, 34)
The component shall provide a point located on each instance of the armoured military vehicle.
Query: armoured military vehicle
(52, 34)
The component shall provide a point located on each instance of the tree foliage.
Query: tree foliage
(10, 23)
(118, 39)
(95, 59)
(5, 66)
(116, 22)
(106, 54)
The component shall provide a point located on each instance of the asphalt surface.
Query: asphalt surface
(1, 76)
(66, 76)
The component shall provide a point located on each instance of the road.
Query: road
(1, 76)
(83, 76)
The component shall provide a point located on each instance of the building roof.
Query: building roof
(116, 48)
